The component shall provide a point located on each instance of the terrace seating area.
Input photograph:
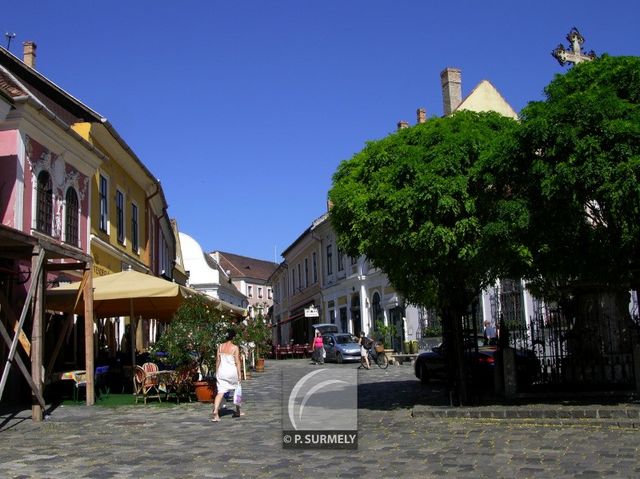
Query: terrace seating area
(292, 351)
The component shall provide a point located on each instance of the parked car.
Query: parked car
(341, 347)
(431, 366)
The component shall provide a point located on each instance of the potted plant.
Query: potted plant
(191, 340)
(257, 330)
(384, 333)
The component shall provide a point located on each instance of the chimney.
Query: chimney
(422, 115)
(30, 54)
(403, 124)
(451, 81)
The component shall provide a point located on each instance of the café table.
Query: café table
(165, 380)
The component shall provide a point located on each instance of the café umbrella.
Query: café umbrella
(128, 293)
(123, 294)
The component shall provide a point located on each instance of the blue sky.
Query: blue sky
(244, 109)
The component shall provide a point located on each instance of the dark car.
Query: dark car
(341, 347)
(480, 358)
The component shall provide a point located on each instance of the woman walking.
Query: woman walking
(227, 373)
(318, 349)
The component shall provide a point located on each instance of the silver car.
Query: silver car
(341, 347)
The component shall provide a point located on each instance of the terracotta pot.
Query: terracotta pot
(205, 390)
(260, 365)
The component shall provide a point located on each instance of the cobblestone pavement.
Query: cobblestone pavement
(406, 430)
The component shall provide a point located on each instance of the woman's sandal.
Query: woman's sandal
(235, 414)
(215, 418)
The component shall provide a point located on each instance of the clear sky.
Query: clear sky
(244, 108)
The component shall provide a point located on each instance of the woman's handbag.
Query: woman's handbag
(324, 353)
(237, 395)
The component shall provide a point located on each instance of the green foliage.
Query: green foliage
(432, 332)
(409, 204)
(384, 333)
(192, 338)
(571, 174)
(257, 330)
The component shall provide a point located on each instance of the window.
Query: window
(293, 281)
(269, 294)
(329, 260)
(104, 206)
(259, 292)
(354, 260)
(331, 311)
(134, 227)
(314, 267)
(299, 277)
(340, 260)
(120, 215)
(377, 313)
(71, 217)
(306, 272)
(44, 205)
(250, 291)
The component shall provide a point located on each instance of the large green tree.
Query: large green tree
(573, 168)
(408, 203)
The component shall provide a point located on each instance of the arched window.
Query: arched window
(377, 313)
(44, 203)
(71, 217)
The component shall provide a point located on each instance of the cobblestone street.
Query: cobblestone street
(404, 432)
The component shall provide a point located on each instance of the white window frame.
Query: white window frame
(121, 209)
(78, 217)
(135, 228)
(103, 200)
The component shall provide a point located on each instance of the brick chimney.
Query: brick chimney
(30, 54)
(451, 80)
(422, 115)
(403, 124)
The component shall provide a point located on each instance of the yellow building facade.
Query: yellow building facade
(120, 191)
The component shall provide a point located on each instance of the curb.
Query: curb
(623, 415)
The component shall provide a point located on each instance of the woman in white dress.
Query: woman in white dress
(227, 373)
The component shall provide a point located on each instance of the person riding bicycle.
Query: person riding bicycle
(365, 345)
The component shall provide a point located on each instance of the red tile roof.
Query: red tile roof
(245, 267)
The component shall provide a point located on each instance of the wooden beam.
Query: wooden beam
(21, 366)
(88, 335)
(37, 340)
(13, 323)
(58, 249)
(68, 323)
(36, 270)
(66, 266)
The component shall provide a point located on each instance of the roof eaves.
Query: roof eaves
(8, 57)
(32, 100)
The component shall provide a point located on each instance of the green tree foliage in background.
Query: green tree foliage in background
(408, 203)
(572, 170)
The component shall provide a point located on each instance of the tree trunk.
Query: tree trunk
(454, 354)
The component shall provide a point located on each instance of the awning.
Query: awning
(127, 293)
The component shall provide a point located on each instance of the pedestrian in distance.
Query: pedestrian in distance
(365, 343)
(228, 373)
(318, 349)
(490, 333)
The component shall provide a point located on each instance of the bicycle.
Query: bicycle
(380, 359)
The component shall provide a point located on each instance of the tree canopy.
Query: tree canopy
(408, 203)
(573, 169)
